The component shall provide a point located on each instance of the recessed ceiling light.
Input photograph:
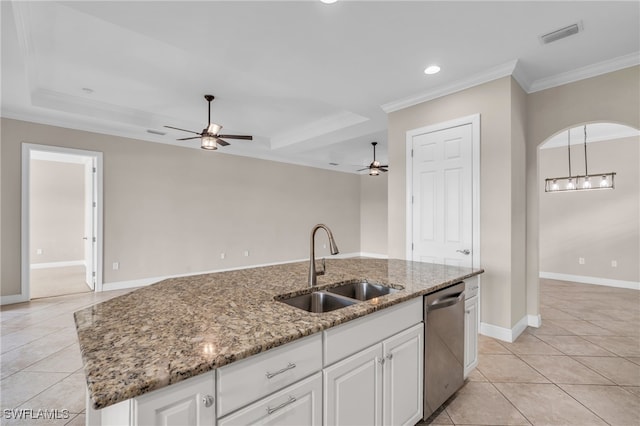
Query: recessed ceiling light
(328, 1)
(432, 69)
(87, 90)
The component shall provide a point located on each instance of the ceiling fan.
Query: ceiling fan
(209, 137)
(375, 167)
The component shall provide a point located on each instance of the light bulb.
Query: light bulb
(586, 184)
(604, 183)
(208, 142)
(555, 186)
(374, 172)
(571, 185)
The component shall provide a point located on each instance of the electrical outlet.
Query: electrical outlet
(614, 263)
(116, 266)
(246, 253)
(222, 255)
(324, 245)
(39, 251)
(581, 260)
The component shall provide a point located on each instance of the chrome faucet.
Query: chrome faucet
(313, 274)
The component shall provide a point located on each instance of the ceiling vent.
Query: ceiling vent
(156, 132)
(561, 33)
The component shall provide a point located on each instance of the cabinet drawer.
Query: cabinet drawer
(298, 404)
(356, 335)
(470, 287)
(250, 379)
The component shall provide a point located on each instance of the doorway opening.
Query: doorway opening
(61, 221)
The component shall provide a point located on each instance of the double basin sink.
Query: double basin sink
(338, 297)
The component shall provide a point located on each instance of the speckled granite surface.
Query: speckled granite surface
(181, 327)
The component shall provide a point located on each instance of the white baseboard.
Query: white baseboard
(633, 285)
(13, 298)
(57, 264)
(122, 285)
(374, 255)
(510, 335)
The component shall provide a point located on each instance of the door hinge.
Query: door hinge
(95, 204)
(93, 274)
(412, 199)
(94, 170)
(412, 152)
(94, 239)
(411, 246)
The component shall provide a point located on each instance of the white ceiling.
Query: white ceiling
(312, 82)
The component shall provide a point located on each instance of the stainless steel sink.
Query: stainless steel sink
(318, 302)
(362, 290)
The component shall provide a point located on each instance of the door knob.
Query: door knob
(466, 252)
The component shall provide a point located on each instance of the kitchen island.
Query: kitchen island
(183, 327)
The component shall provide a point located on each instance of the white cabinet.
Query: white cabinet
(471, 324)
(402, 402)
(378, 385)
(298, 404)
(186, 403)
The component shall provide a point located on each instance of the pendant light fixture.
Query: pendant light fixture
(579, 182)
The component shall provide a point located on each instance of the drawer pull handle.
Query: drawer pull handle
(281, 406)
(207, 400)
(288, 367)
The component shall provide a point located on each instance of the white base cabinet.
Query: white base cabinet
(471, 324)
(296, 405)
(379, 385)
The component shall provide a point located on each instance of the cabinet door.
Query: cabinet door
(185, 403)
(402, 402)
(353, 390)
(295, 405)
(471, 321)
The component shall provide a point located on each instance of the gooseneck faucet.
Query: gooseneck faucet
(312, 257)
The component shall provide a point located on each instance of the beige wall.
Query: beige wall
(612, 97)
(171, 210)
(500, 250)
(599, 226)
(57, 211)
(373, 214)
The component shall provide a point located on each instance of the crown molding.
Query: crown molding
(589, 71)
(475, 80)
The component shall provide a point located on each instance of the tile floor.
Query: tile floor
(582, 367)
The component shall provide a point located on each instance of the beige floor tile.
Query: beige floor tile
(619, 345)
(24, 385)
(619, 328)
(633, 389)
(575, 345)
(35, 419)
(22, 357)
(583, 328)
(550, 328)
(634, 359)
(619, 370)
(547, 312)
(440, 417)
(68, 394)
(487, 345)
(530, 344)
(564, 369)
(78, 420)
(481, 403)
(613, 404)
(546, 404)
(508, 368)
(68, 360)
(26, 335)
(476, 376)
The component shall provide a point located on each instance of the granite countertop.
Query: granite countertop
(182, 327)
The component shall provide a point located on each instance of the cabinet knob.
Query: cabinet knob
(207, 400)
(389, 356)
(380, 361)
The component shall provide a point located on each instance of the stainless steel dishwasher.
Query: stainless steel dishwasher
(443, 346)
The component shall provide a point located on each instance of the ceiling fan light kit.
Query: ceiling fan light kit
(375, 167)
(210, 137)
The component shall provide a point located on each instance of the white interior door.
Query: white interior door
(442, 196)
(90, 222)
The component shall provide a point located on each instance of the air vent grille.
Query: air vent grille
(561, 33)
(156, 132)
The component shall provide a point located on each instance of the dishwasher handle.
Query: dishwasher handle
(446, 302)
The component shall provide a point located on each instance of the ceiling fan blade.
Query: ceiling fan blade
(361, 170)
(383, 165)
(188, 139)
(249, 138)
(383, 170)
(221, 142)
(184, 130)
